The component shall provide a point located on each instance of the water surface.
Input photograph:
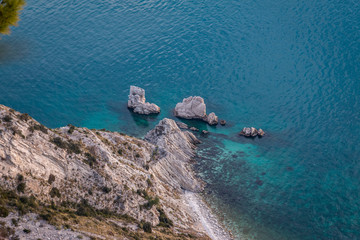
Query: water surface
(289, 67)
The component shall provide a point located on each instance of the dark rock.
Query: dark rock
(194, 129)
(222, 122)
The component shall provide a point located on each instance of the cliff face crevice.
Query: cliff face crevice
(109, 170)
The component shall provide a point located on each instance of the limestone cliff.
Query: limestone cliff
(142, 179)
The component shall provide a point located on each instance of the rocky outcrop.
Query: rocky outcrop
(212, 119)
(223, 122)
(194, 108)
(194, 129)
(191, 108)
(137, 102)
(252, 132)
(107, 170)
(182, 125)
(177, 149)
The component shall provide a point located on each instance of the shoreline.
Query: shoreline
(206, 220)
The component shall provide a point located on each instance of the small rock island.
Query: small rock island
(195, 108)
(137, 102)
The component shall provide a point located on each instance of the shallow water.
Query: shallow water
(289, 67)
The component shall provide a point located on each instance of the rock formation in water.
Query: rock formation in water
(137, 102)
(182, 125)
(212, 119)
(72, 177)
(194, 108)
(252, 132)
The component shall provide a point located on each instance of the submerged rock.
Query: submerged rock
(205, 132)
(137, 102)
(182, 125)
(252, 132)
(194, 108)
(194, 129)
(222, 122)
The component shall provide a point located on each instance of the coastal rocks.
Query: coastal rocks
(191, 108)
(194, 108)
(222, 122)
(137, 102)
(173, 168)
(212, 119)
(106, 170)
(204, 132)
(182, 125)
(252, 132)
(194, 129)
(261, 132)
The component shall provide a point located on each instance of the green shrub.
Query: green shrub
(120, 152)
(51, 179)
(137, 155)
(151, 202)
(106, 189)
(20, 177)
(149, 182)
(4, 212)
(71, 129)
(55, 192)
(73, 147)
(45, 216)
(27, 231)
(164, 220)
(70, 146)
(90, 159)
(6, 232)
(15, 222)
(7, 118)
(40, 127)
(24, 117)
(84, 209)
(21, 187)
(147, 227)
(59, 142)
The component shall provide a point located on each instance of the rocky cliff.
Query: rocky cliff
(131, 185)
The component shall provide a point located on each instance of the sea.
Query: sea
(290, 67)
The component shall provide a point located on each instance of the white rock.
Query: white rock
(137, 102)
(194, 108)
(212, 119)
(173, 168)
(191, 108)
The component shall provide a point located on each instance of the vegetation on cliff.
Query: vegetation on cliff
(9, 14)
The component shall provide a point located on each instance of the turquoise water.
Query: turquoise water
(289, 67)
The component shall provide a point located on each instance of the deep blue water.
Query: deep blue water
(289, 67)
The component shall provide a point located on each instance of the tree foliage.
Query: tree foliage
(9, 14)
